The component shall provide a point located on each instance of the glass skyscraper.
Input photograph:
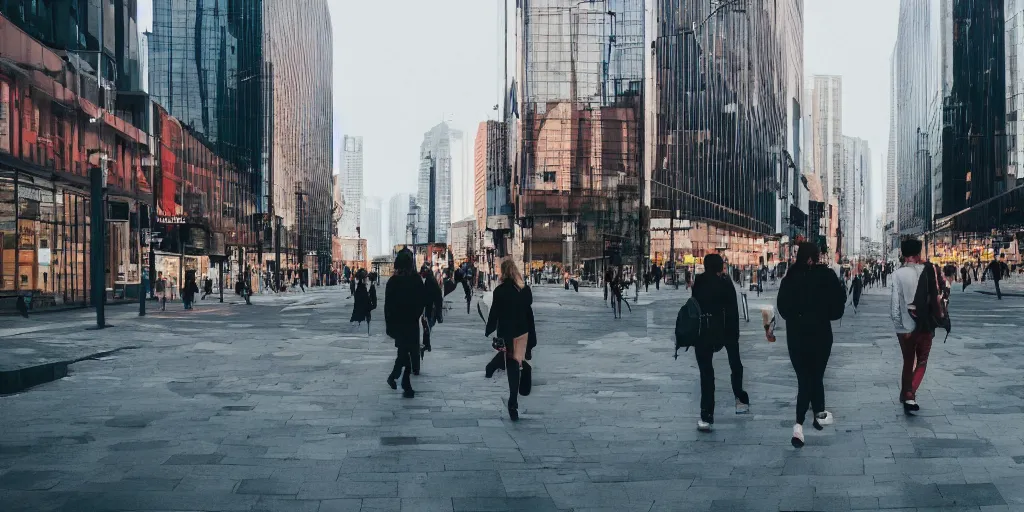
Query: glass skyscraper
(576, 148)
(252, 80)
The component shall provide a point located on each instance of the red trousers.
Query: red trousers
(915, 347)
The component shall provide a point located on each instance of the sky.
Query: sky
(855, 39)
(396, 76)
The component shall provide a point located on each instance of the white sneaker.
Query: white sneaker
(742, 408)
(703, 426)
(825, 418)
(798, 436)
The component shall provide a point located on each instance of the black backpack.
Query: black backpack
(689, 323)
(930, 309)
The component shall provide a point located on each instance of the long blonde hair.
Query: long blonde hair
(509, 270)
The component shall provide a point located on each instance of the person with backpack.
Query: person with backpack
(404, 299)
(811, 297)
(918, 307)
(365, 300)
(719, 327)
(511, 315)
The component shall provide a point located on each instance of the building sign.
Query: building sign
(5, 117)
(170, 219)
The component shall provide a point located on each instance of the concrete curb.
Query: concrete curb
(16, 381)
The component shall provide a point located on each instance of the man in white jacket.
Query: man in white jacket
(914, 343)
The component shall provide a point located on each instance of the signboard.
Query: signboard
(170, 219)
(5, 117)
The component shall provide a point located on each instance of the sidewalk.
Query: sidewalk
(39, 349)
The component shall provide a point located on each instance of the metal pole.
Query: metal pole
(142, 283)
(97, 246)
(220, 278)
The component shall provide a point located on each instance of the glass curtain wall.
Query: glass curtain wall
(579, 146)
(721, 113)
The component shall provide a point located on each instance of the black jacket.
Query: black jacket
(717, 299)
(434, 305)
(810, 298)
(404, 300)
(365, 301)
(512, 313)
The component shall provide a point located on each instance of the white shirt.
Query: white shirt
(904, 287)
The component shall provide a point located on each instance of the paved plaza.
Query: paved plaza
(282, 406)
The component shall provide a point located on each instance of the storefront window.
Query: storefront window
(8, 228)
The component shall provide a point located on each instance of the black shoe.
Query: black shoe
(408, 393)
(513, 413)
(392, 383)
(910, 407)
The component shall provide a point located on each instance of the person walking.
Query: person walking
(404, 299)
(433, 309)
(965, 278)
(856, 287)
(365, 301)
(811, 296)
(511, 315)
(720, 329)
(161, 290)
(995, 273)
(915, 337)
(189, 291)
(207, 287)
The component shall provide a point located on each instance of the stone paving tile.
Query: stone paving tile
(282, 406)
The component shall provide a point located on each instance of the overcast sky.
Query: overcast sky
(855, 39)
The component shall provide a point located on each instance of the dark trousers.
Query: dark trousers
(408, 359)
(916, 347)
(504, 361)
(999, 293)
(657, 284)
(705, 353)
(809, 361)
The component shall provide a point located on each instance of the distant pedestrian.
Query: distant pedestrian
(404, 299)
(811, 296)
(189, 291)
(352, 286)
(720, 329)
(433, 309)
(365, 300)
(161, 290)
(511, 315)
(207, 287)
(856, 287)
(995, 273)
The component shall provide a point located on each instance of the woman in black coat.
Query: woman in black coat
(811, 296)
(721, 329)
(404, 300)
(511, 316)
(366, 301)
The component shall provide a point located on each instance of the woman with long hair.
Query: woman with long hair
(404, 299)
(811, 296)
(512, 316)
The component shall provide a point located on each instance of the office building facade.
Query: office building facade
(436, 152)
(352, 184)
(57, 121)
(398, 221)
(720, 133)
(372, 225)
(252, 80)
(577, 136)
